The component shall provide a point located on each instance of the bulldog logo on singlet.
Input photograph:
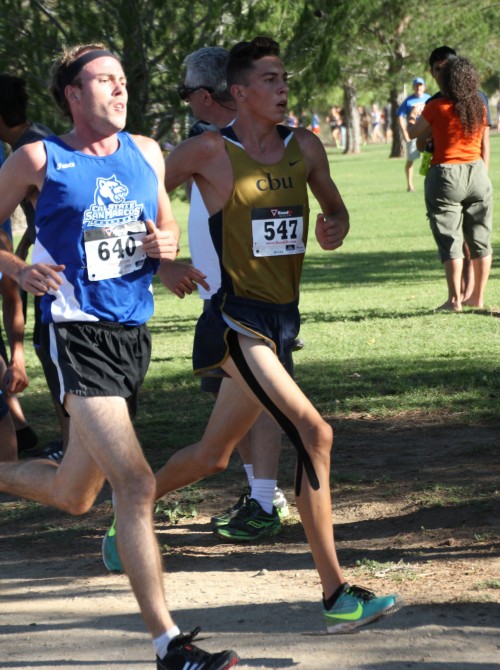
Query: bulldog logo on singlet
(110, 207)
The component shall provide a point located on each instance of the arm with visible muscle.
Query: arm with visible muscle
(23, 172)
(332, 224)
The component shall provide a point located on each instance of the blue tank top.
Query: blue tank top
(90, 217)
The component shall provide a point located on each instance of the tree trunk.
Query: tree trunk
(351, 119)
(398, 144)
(135, 65)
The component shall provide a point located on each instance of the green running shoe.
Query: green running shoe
(224, 518)
(251, 523)
(356, 607)
(279, 501)
(110, 556)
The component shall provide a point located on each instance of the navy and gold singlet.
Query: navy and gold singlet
(260, 236)
(261, 232)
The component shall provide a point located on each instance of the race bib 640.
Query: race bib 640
(114, 251)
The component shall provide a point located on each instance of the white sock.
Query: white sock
(249, 470)
(263, 493)
(161, 643)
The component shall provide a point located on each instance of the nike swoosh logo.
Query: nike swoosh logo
(292, 163)
(351, 616)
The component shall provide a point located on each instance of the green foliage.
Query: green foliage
(395, 572)
(173, 512)
(488, 584)
(20, 511)
(378, 45)
(434, 495)
(151, 36)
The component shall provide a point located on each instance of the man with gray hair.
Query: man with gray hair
(206, 69)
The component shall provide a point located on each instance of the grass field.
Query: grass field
(374, 345)
(413, 397)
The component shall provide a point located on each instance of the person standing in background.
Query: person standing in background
(458, 191)
(437, 61)
(410, 109)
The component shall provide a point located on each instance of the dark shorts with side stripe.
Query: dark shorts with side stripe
(209, 384)
(97, 359)
(277, 325)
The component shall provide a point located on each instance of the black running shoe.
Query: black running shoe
(225, 517)
(250, 524)
(183, 655)
(53, 451)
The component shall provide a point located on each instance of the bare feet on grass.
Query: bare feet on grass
(470, 302)
(449, 306)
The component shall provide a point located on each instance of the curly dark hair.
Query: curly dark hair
(460, 82)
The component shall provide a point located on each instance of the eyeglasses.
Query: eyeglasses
(185, 91)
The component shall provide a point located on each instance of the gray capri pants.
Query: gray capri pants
(459, 201)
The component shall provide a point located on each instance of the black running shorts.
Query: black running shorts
(97, 359)
(277, 325)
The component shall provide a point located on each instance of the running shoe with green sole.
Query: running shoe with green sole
(356, 607)
(250, 524)
(224, 518)
(110, 556)
(279, 501)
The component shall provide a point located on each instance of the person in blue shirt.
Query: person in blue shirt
(410, 109)
(104, 227)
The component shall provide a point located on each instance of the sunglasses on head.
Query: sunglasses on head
(185, 91)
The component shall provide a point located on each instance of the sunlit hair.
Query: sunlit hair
(243, 56)
(207, 68)
(59, 67)
(460, 83)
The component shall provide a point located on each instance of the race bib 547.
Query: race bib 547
(278, 231)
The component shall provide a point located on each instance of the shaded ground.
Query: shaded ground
(417, 512)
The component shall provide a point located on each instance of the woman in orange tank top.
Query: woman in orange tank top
(458, 191)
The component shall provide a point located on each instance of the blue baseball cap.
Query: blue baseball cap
(418, 80)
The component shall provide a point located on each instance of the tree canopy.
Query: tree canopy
(375, 47)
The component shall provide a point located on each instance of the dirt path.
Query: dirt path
(418, 515)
